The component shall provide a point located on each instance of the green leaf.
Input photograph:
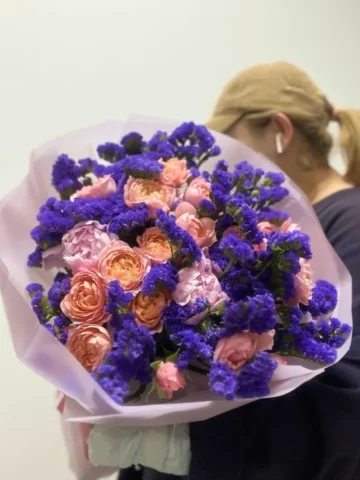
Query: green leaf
(173, 357)
(156, 365)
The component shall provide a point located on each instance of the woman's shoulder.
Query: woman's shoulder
(340, 213)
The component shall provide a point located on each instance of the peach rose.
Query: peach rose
(118, 261)
(174, 173)
(201, 229)
(154, 244)
(303, 285)
(85, 303)
(101, 188)
(288, 226)
(170, 379)
(197, 190)
(152, 193)
(89, 344)
(148, 309)
(238, 349)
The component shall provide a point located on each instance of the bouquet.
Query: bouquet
(164, 292)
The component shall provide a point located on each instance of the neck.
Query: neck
(320, 183)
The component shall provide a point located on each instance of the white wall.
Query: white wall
(71, 63)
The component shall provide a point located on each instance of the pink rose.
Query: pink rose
(85, 303)
(174, 173)
(170, 379)
(197, 190)
(198, 281)
(288, 226)
(101, 188)
(120, 262)
(303, 285)
(83, 244)
(266, 227)
(89, 344)
(201, 229)
(241, 347)
(152, 193)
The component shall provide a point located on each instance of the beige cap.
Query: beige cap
(265, 89)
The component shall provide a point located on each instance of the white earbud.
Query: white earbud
(279, 147)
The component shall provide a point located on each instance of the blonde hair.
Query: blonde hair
(263, 90)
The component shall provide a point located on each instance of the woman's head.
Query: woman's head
(277, 110)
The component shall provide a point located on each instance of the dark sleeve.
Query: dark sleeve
(312, 433)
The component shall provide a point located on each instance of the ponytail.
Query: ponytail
(349, 121)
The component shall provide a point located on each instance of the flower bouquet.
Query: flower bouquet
(162, 292)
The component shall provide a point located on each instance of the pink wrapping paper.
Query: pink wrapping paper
(86, 401)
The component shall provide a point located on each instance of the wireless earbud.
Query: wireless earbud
(279, 147)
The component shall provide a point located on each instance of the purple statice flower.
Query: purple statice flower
(269, 195)
(194, 343)
(255, 376)
(194, 172)
(324, 299)
(289, 262)
(118, 299)
(35, 258)
(207, 208)
(53, 216)
(117, 302)
(223, 178)
(290, 318)
(40, 305)
(205, 140)
(113, 383)
(163, 276)
(188, 251)
(60, 287)
(256, 314)
(306, 346)
(237, 283)
(296, 241)
(159, 143)
(175, 316)
(34, 288)
(182, 133)
(45, 239)
(61, 322)
(86, 165)
(223, 380)
(333, 332)
(129, 219)
(65, 176)
(237, 250)
(133, 351)
(243, 176)
(219, 196)
(276, 217)
(145, 165)
(133, 143)
(245, 217)
(273, 179)
(111, 152)
(216, 255)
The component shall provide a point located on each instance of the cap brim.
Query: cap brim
(222, 123)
